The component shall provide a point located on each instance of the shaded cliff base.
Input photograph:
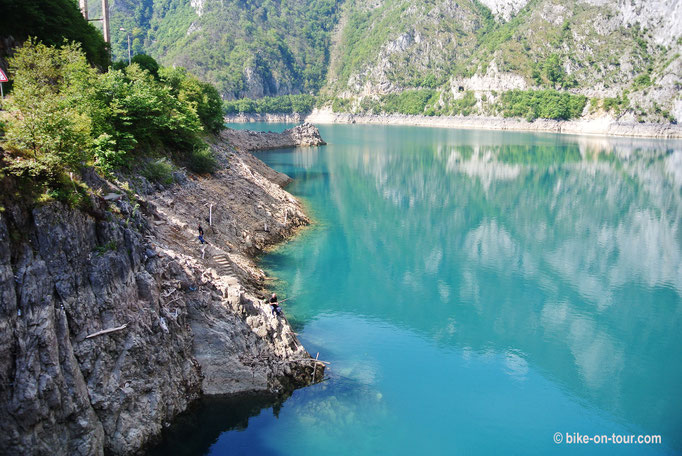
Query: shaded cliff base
(606, 126)
(188, 319)
(196, 430)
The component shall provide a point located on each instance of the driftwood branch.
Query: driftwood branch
(304, 360)
(315, 366)
(106, 331)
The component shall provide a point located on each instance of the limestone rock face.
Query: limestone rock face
(662, 17)
(505, 9)
(605, 49)
(189, 318)
(66, 275)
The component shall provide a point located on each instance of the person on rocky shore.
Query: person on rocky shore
(274, 304)
(201, 235)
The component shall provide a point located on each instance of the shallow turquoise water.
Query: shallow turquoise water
(476, 292)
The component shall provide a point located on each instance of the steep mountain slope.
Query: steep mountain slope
(456, 57)
(602, 49)
(247, 48)
(52, 21)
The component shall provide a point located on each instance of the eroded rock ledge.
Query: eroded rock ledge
(301, 135)
(195, 321)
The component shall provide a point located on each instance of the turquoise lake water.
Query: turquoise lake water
(476, 292)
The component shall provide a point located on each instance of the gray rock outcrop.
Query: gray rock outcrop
(183, 319)
(301, 135)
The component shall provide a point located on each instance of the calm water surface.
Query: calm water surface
(476, 292)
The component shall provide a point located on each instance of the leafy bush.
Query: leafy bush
(642, 81)
(201, 160)
(546, 104)
(47, 120)
(64, 115)
(616, 104)
(160, 170)
(203, 96)
(147, 62)
(429, 81)
(108, 247)
(369, 105)
(408, 102)
(462, 106)
(107, 156)
(341, 104)
(553, 71)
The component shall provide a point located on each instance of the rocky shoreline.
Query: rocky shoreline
(115, 319)
(601, 126)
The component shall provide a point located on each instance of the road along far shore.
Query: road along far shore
(601, 126)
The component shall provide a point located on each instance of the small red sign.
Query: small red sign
(3, 76)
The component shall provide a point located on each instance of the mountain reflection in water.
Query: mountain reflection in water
(482, 289)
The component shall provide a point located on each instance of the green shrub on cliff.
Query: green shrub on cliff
(546, 104)
(160, 170)
(616, 104)
(64, 114)
(464, 105)
(147, 62)
(201, 160)
(408, 102)
(51, 87)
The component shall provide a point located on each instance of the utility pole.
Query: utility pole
(128, 33)
(105, 21)
(105, 17)
(84, 8)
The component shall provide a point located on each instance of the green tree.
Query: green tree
(51, 86)
(63, 113)
(148, 63)
(204, 97)
(553, 71)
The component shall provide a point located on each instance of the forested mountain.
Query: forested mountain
(247, 48)
(51, 20)
(527, 58)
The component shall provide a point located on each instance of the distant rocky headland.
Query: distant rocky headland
(302, 135)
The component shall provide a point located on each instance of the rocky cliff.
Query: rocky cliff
(624, 50)
(114, 319)
(624, 54)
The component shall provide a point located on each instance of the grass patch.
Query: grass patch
(159, 171)
(108, 247)
(201, 160)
